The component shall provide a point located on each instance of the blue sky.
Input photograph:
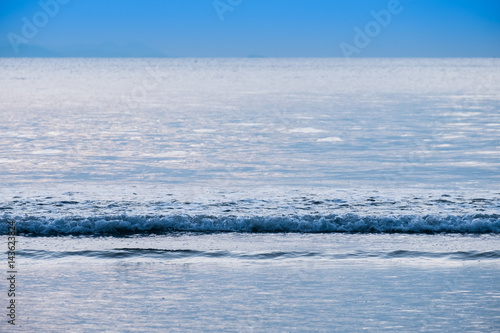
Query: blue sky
(270, 28)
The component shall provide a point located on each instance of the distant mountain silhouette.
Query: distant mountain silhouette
(27, 50)
(103, 50)
(111, 49)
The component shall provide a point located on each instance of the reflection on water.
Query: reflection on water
(258, 121)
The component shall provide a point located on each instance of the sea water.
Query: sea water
(257, 195)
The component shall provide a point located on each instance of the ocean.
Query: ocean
(250, 195)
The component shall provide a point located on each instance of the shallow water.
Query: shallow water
(261, 283)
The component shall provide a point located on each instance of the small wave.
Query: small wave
(172, 254)
(349, 223)
(121, 253)
(159, 253)
(461, 255)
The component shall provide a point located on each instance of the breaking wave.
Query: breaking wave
(119, 225)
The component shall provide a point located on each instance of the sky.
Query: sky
(250, 28)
